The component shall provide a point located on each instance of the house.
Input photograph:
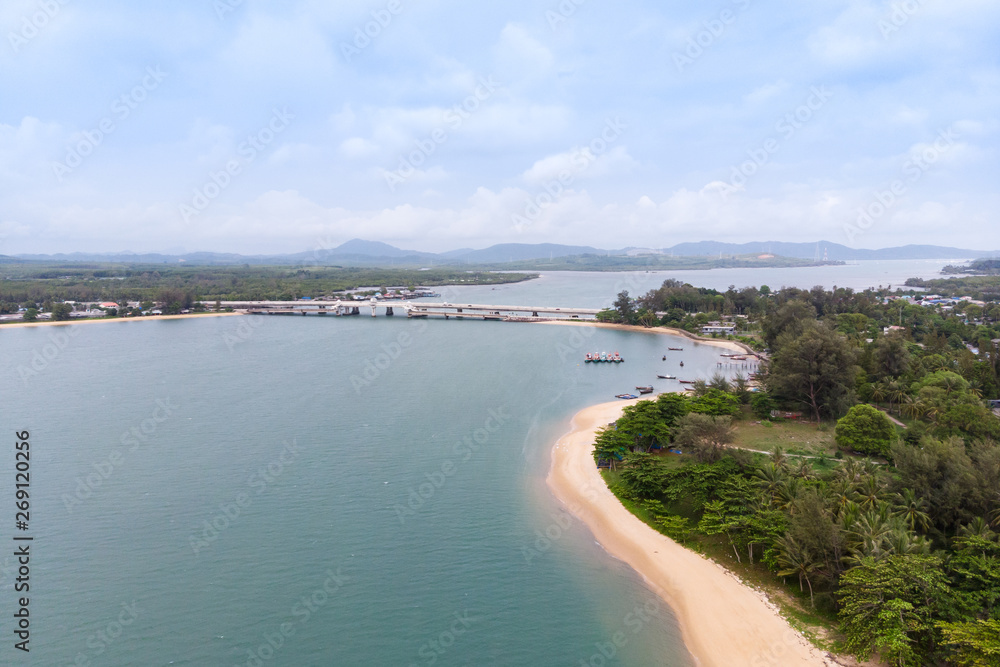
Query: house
(717, 328)
(109, 304)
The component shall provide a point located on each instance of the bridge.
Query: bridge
(412, 309)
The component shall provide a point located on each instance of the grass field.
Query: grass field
(793, 437)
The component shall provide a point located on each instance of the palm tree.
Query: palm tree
(769, 478)
(895, 393)
(779, 459)
(878, 392)
(805, 471)
(788, 492)
(793, 558)
(842, 492)
(912, 408)
(869, 492)
(850, 471)
(911, 509)
(720, 382)
(978, 527)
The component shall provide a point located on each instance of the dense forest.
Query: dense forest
(893, 538)
(30, 284)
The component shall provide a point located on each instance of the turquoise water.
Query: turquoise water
(323, 491)
(418, 534)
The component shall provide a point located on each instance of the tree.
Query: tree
(643, 474)
(762, 404)
(889, 606)
(972, 643)
(30, 315)
(625, 308)
(642, 422)
(793, 558)
(865, 430)
(61, 311)
(816, 369)
(715, 402)
(704, 434)
(892, 358)
(672, 407)
(611, 445)
(789, 318)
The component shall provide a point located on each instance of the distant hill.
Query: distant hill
(362, 253)
(821, 249)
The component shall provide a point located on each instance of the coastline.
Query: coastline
(45, 323)
(667, 331)
(723, 622)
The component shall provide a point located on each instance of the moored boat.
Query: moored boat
(675, 349)
(667, 377)
(626, 396)
(645, 390)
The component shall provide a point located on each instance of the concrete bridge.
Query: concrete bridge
(412, 309)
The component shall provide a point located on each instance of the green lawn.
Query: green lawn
(793, 437)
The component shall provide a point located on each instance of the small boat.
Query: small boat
(626, 396)
(686, 381)
(645, 390)
(675, 349)
(682, 364)
(667, 377)
(664, 357)
(588, 358)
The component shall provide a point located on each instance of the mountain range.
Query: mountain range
(358, 252)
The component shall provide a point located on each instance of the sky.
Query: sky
(268, 127)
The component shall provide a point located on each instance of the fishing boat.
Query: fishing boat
(667, 377)
(588, 358)
(686, 381)
(617, 358)
(682, 364)
(675, 349)
(626, 396)
(645, 390)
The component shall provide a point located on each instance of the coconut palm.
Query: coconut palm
(978, 527)
(911, 509)
(869, 492)
(878, 392)
(912, 408)
(769, 478)
(895, 393)
(842, 493)
(793, 558)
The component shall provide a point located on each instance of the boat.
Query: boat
(617, 358)
(686, 381)
(682, 364)
(645, 390)
(588, 358)
(667, 377)
(675, 349)
(626, 396)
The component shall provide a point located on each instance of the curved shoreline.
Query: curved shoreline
(90, 320)
(723, 622)
(669, 331)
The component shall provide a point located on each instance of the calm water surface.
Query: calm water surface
(326, 491)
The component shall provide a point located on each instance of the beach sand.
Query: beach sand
(145, 318)
(723, 622)
(737, 347)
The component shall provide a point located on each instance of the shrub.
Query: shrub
(865, 430)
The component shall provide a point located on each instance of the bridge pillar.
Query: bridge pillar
(534, 314)
(388, 311)
(355, 311)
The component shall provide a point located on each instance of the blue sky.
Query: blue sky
(259, 127)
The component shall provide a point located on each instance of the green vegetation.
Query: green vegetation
(865, 430)
(899, 560)
(176, 287)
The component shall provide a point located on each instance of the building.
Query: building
(717, 328)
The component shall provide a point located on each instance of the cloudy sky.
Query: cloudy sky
(265, 126)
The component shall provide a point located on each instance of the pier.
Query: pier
(341, 308)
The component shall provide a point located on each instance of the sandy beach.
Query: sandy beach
(724, 623)
(666, 331)
(145, 318)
